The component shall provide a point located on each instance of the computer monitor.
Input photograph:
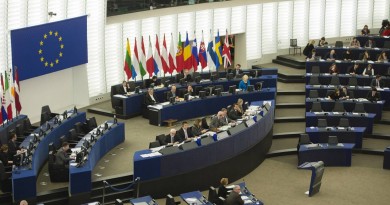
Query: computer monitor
(232, 89)
(166, 83)
(187, 97)
(213, 77)
(79, 157)
(332, 140)
(172, 100)
(218, 91)
(250, 88)
(197, 79)
(202, 94)
(136, 89)
(229, 76)
(36, 138)
(182, 81)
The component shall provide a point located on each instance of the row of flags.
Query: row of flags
(9, 95)
(186, 57)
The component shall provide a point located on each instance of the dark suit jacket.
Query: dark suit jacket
(376, 97)
(122, 91)
(215, 123)
(234, 71)
(196, 131)
(188, 78)
(169, 95)
(347, 56)
(62, 158)
(150, 81)
(222, 191)
(234, 199)
(176, 138)
(374, 83)
(4, 158)
(327, 56)
(182, 136)
(149, 100)
(234, 115)
(12, 149)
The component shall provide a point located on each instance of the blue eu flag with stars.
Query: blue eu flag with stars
(47, 48)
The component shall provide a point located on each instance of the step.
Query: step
(289, 119)
(292, 99)
(291, 86)
(289, 64)
(290, 112)
(288, 127)
(53, 196)
(291, 92)
(290, 80)
(283, 152)
(290, 105)
(280, 144)
(287, 135)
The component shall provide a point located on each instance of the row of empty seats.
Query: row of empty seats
(338, 107)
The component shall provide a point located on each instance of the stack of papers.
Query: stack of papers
(120, 96)
(153, 154)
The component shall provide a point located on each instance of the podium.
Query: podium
(317, 170)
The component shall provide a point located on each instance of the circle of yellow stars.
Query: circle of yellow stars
(50, 62)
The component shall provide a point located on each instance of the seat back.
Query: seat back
(91, 123)
(213, 196)
(335, 81)
(293, 42)
(72, 135)
(45, 116)
(344, 122)
(352, 81)
(339, 44)
(313, 94)
(359, 108)
(79, 127)
(322, 123)
(351, 94)
(314, 80)
(315, 69)
(19, 130)
(386, 44)
(46, 108)
(304, 139)
(205, 125)
(338, 107)
(154, 144)
(332, 140)
(316, 107)
(161, 139)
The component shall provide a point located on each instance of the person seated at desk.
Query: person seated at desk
(335, 95)
(331, 56)
(217, 122)
(13, 148)
(312, 55)
(370, 44)
(365, 31)
(243, 107)
(234, 197)
(172, 93)
(190, 90)
(172, 137)
(369, 71)
(386, 32)
(353, 70)
(377, 82)
(222, 190)
(354, 43)
(150, 98)
(124, 89)
(243, 85)
(197, 129)
(365, 56)
(373, 95)
(235, 113)
(152, 82)
(322, 42)
(383, 57)
(184, 133)
(344, 93)
(4, 155)
(333, 70)
(225, 119)
(347, 56)
(236, 71)
(62, 157)
(186, 75)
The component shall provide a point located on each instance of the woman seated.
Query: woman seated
(331, 56)
(347, 56)
(354, 69)
(369, 71)
(365, 30)
(383, 57)
(354, 43)
(235, 113)
(244, 83)
(322, 42)
(197, 129)
(4, 155)
(240, 103)
(344, 93)
(365, 56)
(333, 69)
(335, 95)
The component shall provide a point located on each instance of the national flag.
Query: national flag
(164, 57)
(18, 105)
(227, 57)
(202, 53)
(211, 54)
(157, 57)
(4, 115)
(195, 58)
(135, 64)
(179, 56)
(127, 66)
(187, 54)
(172, 57)
(218, 51)
(142, 63)
(7, 94)
(149, 60)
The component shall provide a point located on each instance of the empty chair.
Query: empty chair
(219, 86)
(339, 44)
(352, 81)
(213, 196)
(304, 139)
(161, 139)
(315, 69)
(154, 144)
(45, 116)
(338, 107)
(314, 80)
(351, 94)
(313, 94)
(332, 140)
(344, 122)
(91, 124)
(328, 93)
(335, 81)
(80, 128)
(322, 123)
(316, 107)
(169, 200)
(73, 136)
(359, 108)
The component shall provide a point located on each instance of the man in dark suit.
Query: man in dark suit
(377, 82)
(62, 157)
(235, 113)
(234, 197)
(184, 133)
(152, 82)
(172, 137)
(373, 95)
(172, 93)
(150, 98)
(124, 89)
(236, 71)
(12, 146)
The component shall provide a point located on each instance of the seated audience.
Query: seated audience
(172, 93)
(347, 56)
(184, 133)
(124, 89)
(370, 43)
(216, 122)
(322, 42)
(186, 75)
(365, 56)
(244, 83)
(62, 157)
(190, 90)
(353, 70)
(235, 112)
(369, 71)
(383, 57)
(150, 98)
(13, 148)
(354, 43)
(335, 95)
(331, 55)
(365, 31)
(373, 95)
(344, 93)
(377, 82)
(152, 83)
(308, 49)
(236, 71)
(240, 103)
(333, 70)
(222, 190)
(225, 119)
(4, 155)
(197, 129)
(172, 137)
(234, 197)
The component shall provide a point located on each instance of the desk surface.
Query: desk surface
(194, 198)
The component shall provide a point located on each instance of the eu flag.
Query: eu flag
(47, 48)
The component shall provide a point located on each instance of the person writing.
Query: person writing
(150, 98)
(373, 95)
(243, 85)
(184, 133)
(234, 197)
(172, 137)
(335, 95)
(222, 190)
(369, 71)
(62, 157)
(197, 129)
(216, 122)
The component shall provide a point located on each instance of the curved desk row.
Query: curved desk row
(379, 40)
(203, 107)
(344, 66)
(80, 178)
(325, 79)
(344, 134)
(133, 104)
(24, 180)
(232, 157)
(9, 126)
(331, 155)
(355, 52)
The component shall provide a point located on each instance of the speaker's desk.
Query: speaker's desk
(344, 134)
(331, 155)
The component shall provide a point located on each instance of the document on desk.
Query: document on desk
(153, 154)
(140, 203)
(269, 102)
(120, 96)
(76, 149)
(247, 201)
(244, 197)
(73, 164)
